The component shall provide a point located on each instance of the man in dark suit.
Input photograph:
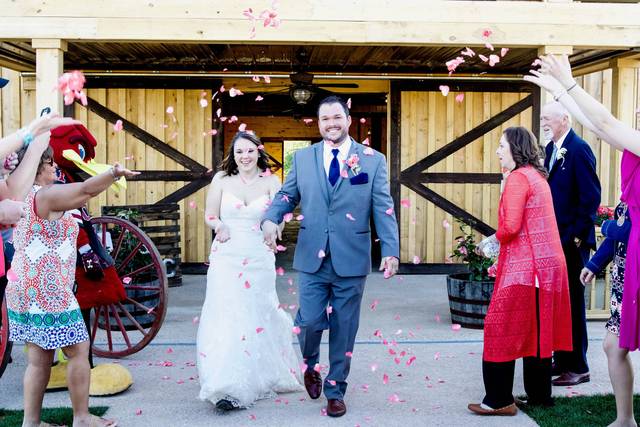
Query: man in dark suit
(576, 196)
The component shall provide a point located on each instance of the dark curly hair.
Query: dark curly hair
(333, 99)
(525, 149)
(229, 165)
(46, 157)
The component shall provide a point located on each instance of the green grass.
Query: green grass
(580, 411)
(62, 416)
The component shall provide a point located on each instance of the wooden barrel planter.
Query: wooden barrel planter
(468, 300)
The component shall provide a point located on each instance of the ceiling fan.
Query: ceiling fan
(302, 89)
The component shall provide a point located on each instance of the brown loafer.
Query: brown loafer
(570, 378)
(336, 407)
(509, 410)
(313, 383)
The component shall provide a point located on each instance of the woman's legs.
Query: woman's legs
(78, 376)
(36, 378)
(621, 375)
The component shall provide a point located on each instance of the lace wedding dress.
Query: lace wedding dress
(244, 342)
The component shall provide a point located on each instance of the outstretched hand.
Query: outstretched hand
(119, 170)
(47, 122)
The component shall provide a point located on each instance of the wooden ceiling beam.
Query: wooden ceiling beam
(457, 23)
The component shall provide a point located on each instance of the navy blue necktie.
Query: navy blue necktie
(334, 167)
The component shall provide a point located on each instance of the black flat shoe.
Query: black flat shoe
(224, 405)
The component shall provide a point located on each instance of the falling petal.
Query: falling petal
(281, 248)
(444, 89)
(192, 204)
(455, 327)
(436, 356)
(242, 127)
(280, 271)
(487, 33)
(258, 330)
(307, 121)
(300, 217)
(374, 304)
(405, 203)
(468, 52)
(483, 58)
(332, 382)
(411, 360)
(138, 411)
(445, 224)
(296, 330)
(287, 217)
(349, 103)
(385, 379)
(504, 51)
(195, 320)
(366, 141)
(389, 211)
(363, 120)
(488, 46)
(247, 285)
(321, 254)
(117, 127)
(204, 103)
(493, 60)
(126, 280)
(460, 97)
(329, 310)
(416, 259)
(259, 98)
(350, 217)
(344, 173)
(348, 354)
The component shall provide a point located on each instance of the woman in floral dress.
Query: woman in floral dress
(43, 311)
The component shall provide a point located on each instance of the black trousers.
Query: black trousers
(498, 377)
(576, 360)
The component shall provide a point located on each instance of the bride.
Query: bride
(244, 341)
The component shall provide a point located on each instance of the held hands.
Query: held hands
(271, 232)
(389, 265)
(10, 163)
(11, 211)
(586, 276)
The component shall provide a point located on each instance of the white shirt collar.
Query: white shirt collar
(342, 154)
(560, 140)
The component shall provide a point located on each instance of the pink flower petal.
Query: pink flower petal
(350, 217)
(138, 411)
(504, 51)
(344, 173)
(332, 382)
(321, 254)
(117, 127)
(296, 330)
(488, 46)
(389, 211)
(444, 89)
(349, 103)
(288, 217)
(247, 285)
(126, 280)
(493, 60)
(460, 97)
(192, 204)
(368, 151)
(255, 78)
(204, 103)
(483, 58)
(445, 224)
(259, 98)
(468, 52)
(365, 142)
(307, 121)
(348, 354)
(416, 259)
(329, 309)
(405, 203)
(385, 379)
(258, 330)
(374, 304)
(299, 217)
(280, 271)
(411, 360)
(363, 120)
(487, 33)
(455, 327)
(242, 127)
(195, 320)
(281, 248)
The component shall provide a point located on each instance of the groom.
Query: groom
(340, 185)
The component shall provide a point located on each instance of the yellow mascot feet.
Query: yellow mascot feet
(106, 379)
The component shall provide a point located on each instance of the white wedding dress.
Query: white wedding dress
(244, 343)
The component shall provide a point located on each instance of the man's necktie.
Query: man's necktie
(334, 167)
(553, 155)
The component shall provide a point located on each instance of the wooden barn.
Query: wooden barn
(159, 65)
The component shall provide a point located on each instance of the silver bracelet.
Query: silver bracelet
(113, 174)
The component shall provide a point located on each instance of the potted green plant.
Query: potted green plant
(470, 292)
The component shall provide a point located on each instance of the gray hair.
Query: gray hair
(558, 109)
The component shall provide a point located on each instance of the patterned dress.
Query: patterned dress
(40, 301)
(617, 278)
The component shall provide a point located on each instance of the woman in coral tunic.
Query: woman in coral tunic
(529, 313)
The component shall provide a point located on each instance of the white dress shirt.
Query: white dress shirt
(560, 140)
(342, 154)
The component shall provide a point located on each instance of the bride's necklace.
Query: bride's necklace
(249, 181)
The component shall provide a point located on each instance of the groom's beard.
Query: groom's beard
(342, 137)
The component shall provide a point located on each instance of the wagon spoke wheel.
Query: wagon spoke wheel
(5, 344)
(121, 329)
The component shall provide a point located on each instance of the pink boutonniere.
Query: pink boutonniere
(353, 162)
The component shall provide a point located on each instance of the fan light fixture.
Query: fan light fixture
(301, 95)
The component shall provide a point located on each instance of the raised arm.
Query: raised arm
(512, 203)
(604, 124)
(21, 179)
(62, 197)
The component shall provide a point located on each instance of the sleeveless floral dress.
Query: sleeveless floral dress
(41, 305)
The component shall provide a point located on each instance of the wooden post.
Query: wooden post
(624, 103)
(49, 66)
(544, 95)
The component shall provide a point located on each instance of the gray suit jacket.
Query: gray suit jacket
(326, 225)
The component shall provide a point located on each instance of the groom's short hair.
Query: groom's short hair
(333, 99)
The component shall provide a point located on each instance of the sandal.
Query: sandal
(98, 422)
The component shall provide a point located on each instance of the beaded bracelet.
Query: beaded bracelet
(27, 137)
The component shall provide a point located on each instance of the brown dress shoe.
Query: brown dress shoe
(313, 384)
(570, 378)
(336, 407)
(509, 410)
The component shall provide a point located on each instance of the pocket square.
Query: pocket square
(361, 178)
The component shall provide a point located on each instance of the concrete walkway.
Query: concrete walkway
(433, 390)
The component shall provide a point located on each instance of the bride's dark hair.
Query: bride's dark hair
(229, 165)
